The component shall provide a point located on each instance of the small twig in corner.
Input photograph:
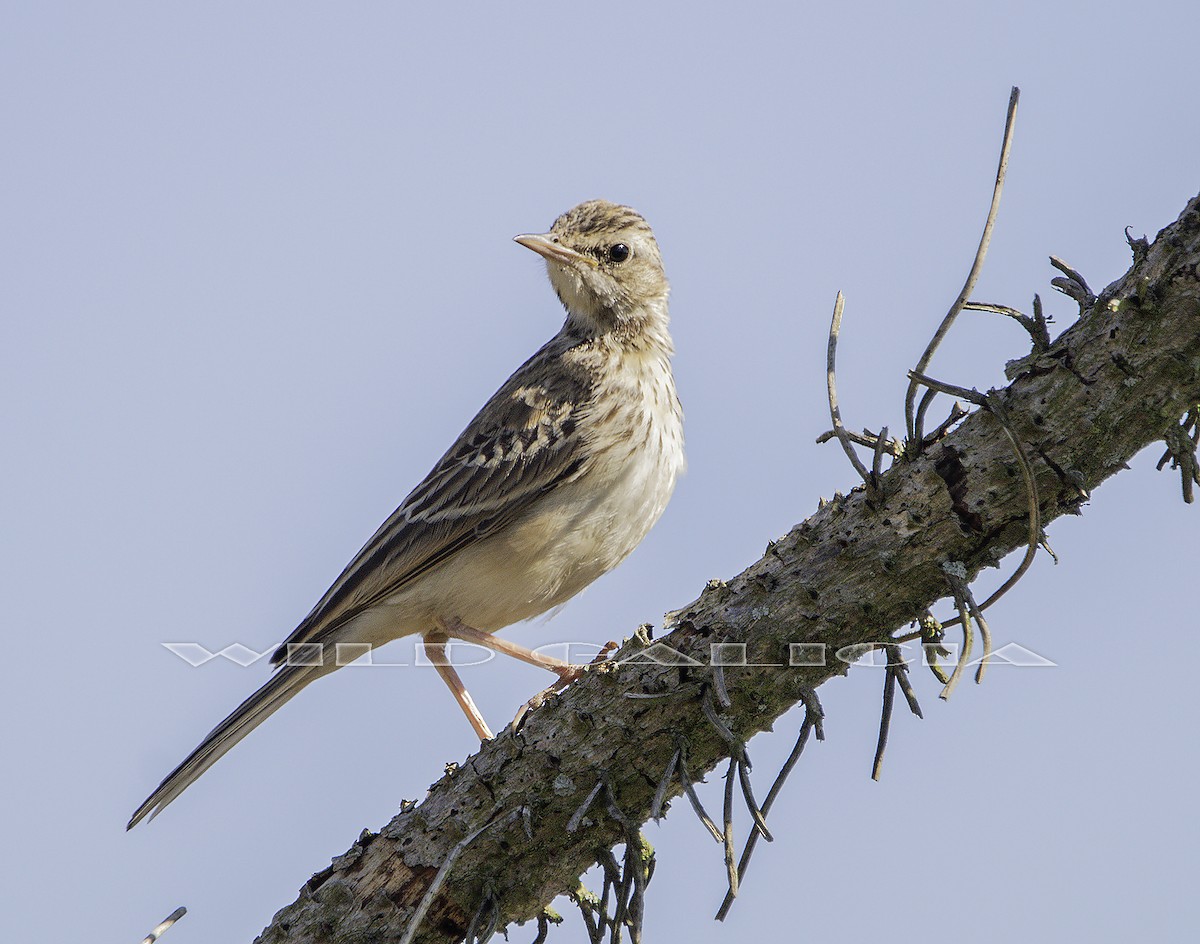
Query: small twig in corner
(915, 432)
(835, 413)
(164, 925)
(964, 617)
(1035, 324)
(1181, 441)
(985, 632)
(660, 795)
(957, 412)
(877, 459)
(722, 692)
(577, 817)
(686, 779)
(760, 822)
(1074, 285)
(543, 928)
(865, 438)
(895, 674)
(812, 720)
(727, 837)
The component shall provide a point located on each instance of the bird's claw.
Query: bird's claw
(566, 675)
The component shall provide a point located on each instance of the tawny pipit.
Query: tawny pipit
(556, 480)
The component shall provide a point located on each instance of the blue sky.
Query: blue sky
(257, 273)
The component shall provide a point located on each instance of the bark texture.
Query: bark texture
(863, 566)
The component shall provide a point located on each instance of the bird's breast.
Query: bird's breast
(633, 453)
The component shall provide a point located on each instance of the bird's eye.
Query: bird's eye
(618, 253)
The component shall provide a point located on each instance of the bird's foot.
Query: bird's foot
(566, 675)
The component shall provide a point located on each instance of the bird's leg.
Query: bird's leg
(565, 671)
(435, 649)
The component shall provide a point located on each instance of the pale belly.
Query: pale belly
(576, 534)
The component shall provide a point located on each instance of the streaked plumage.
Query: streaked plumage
(554, 482)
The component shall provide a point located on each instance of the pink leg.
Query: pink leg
(436, 650)
(564, 670)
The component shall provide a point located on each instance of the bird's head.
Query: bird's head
(605, 266)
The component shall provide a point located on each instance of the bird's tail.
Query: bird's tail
(285, 683)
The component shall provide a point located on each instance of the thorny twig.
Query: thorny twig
(964, 617)
(877, 459)
(577, 817)
(1181, 441)
(660, 795)
(730, 861)
(968, 610)
(741, 756)
(1035, 324)
(835, 413)
(985, 632)
(164, 925)
(893, 447)
(813, 716)
(1074, 285)
(915, 431)
(896, 673)
(686, 779)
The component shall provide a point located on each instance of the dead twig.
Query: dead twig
(722, 692)
(985, 632)
(1035, 324)
(895, 674)
(957, 412)
(760, 822)
(813, 716)
(957, 582)
(1074, 285)
(1182, 441)
(686, 779)
(727, 835)
(892, 447)
(835, 413)
(915, 432)
(660, 795)
(877, 459)
(739, 753)
(577, 817)
(543, 929)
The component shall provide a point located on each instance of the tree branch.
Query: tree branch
(860, 568)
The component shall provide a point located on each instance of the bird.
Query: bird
(555, 481)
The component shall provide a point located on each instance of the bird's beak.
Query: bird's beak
(545, 246)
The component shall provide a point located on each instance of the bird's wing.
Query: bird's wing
(523, 443)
